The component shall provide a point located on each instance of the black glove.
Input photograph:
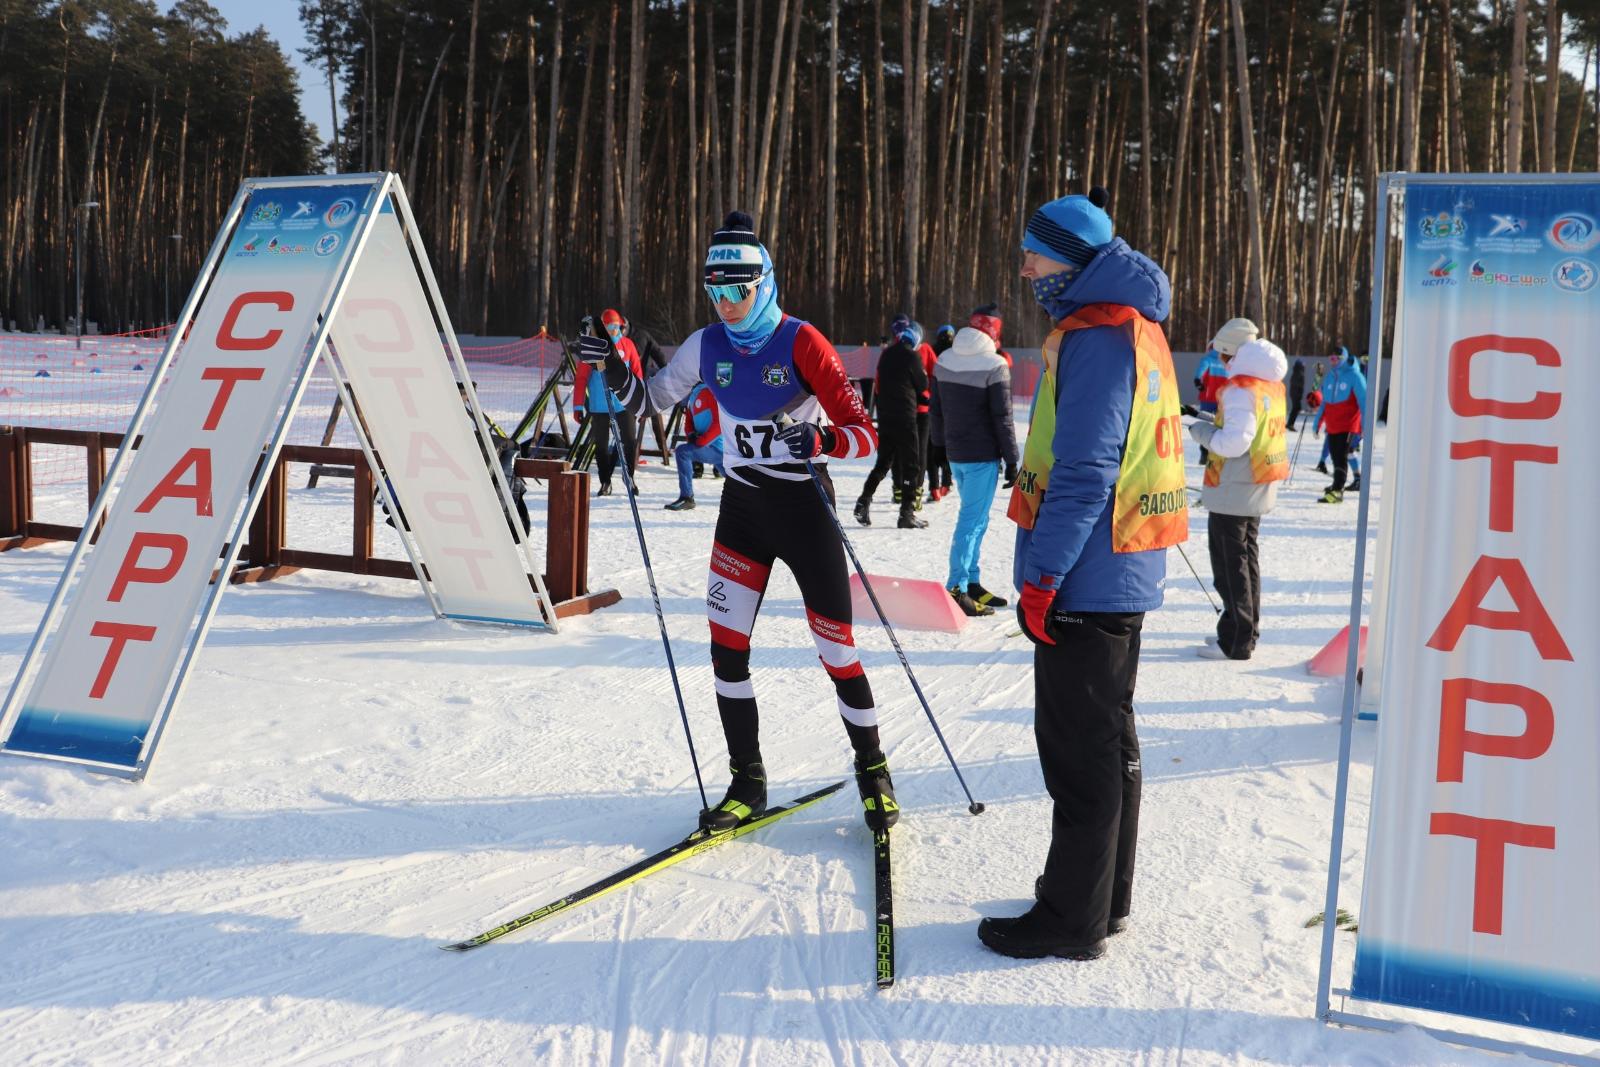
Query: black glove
(1011, 474)
(1189, 409)
(806, 440)
(593, 350)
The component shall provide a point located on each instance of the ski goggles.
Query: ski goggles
(734, 292)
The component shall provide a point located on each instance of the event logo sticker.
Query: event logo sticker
(1509, 234)
(340, 212)
(1439, 274)
(1573, 232)
(265, 216)
(1575, 275)
(328, 244)
(1482, 275)
(1443, 230)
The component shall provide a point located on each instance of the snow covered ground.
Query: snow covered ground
(349, 783)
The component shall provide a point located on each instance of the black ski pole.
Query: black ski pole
(973, 806)
(1197, 580)
(661, 619)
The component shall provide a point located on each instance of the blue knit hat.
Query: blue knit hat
(1072, 229)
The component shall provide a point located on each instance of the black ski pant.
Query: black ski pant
(1089, 750)
(1236, 573)
(939, 475)
(897, 449)
(1294, 411)
(778, 519)
(628, 428)
(1339, 454)
(924, 422)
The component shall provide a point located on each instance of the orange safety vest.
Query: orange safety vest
(1269, 448)
(1152, 504)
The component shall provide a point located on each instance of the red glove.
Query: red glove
(1033, 610)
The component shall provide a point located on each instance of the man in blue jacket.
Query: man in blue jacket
(1100, 497)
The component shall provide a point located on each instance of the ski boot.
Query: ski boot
(1355, 484)
(983, 598)
(746, 798)
(1117, 923)
(969, 605)
(877, 791)
(908, 518)
(1322, 468)
(683, 503)
(604, 490)
(1331, 496)
(864, 511)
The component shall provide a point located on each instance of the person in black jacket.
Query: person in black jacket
(939, 477)
(901, 383)
(1297, 392)
(971, 416)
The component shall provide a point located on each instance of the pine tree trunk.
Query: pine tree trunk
(1147, 207)
(630, 168)
(552, 127)
(1041, 35)
(1552, 82)
(693, 275)
(1519, 79)
(1255, 286)
(830, 181)
(1169, 242)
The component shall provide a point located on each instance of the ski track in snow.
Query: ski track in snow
(349, 783)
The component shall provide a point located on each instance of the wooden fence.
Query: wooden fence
(266, 556)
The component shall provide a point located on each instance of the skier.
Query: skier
(939, 476)
(600, 397)
(1344, 401)
(972, 423)
(901, 383)
(1100, 496)
(1249, 456)
(703, 446)
(774, 377)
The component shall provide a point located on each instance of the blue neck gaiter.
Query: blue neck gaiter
(757, 328)
(1051, 293)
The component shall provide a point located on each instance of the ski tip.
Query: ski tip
(886, 983)
(459, 946)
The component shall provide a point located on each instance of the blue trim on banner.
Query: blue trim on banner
(1463, 986)
(104, 740)
(537, 623)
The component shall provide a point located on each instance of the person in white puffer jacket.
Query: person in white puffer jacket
(1249, 456)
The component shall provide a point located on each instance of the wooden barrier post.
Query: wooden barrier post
(266, 556)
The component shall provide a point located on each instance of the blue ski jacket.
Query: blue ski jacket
(1071, 539)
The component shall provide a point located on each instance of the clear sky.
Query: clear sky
(282, 20)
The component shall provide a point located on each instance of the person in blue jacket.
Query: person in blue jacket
(703, 427)
(1086, 569)
(1344, 404)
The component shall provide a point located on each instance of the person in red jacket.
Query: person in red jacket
(591, 394)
